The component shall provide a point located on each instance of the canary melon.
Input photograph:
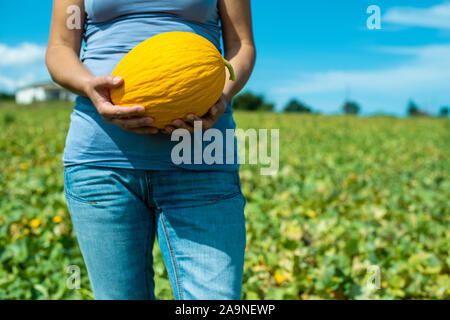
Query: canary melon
(172, 74)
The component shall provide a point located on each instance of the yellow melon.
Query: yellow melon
(171, 74)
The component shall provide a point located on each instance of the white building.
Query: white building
(45, 91)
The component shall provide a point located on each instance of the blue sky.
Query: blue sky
(316, 51)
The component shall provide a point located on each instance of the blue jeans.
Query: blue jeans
(197, 216)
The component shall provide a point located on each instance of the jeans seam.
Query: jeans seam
(147, 264)
(147, 187)
(70, 195)
(147, 197)
(172, 257)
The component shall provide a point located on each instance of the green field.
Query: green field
(351, 193)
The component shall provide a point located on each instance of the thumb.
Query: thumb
(107, 82)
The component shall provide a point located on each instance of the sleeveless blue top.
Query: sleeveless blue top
(113, 28)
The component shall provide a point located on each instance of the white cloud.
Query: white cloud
(24, 54)
(426, 69)
(21, 65)
(425, 72)
(433, 17)
(10, 85)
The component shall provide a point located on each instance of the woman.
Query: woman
(121, 186)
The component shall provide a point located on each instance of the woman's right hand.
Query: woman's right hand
(128, 118)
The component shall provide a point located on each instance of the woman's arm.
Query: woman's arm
(62, 56)
(239, 47)
(66, 69)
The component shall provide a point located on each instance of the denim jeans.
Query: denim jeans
(197, 217)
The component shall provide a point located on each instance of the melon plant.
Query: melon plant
(172, 74)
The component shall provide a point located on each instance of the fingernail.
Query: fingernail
(116, 80)
(214, 110)
(191, 117)
(167, 130)
(177, 123)
(149, 121)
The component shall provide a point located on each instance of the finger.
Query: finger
(180, 124)
(213, 114)
(133, 123)
(191, 118)
(110, 111)
(218, 108)
(207, 123)
(168, 130)
(208, 120)
(107, 82)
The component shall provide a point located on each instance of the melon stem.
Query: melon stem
(230, 69)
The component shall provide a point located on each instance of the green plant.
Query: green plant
(350, 193)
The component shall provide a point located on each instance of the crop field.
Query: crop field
(358, 210)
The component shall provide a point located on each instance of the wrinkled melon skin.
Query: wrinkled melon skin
(171, 74)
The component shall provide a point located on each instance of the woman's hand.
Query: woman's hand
(128, 118)
(207, 120)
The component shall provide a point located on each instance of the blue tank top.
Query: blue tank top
(113, 28)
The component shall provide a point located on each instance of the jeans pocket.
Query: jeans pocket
(88, 184)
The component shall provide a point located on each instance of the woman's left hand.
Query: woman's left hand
(207, 120)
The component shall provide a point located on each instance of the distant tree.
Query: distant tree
(444, 112)
(251, 102)
(296, 106)
(413, 109)
(6, 97)
(350, 107)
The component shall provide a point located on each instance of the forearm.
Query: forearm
(67, 70)
(242, 57)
